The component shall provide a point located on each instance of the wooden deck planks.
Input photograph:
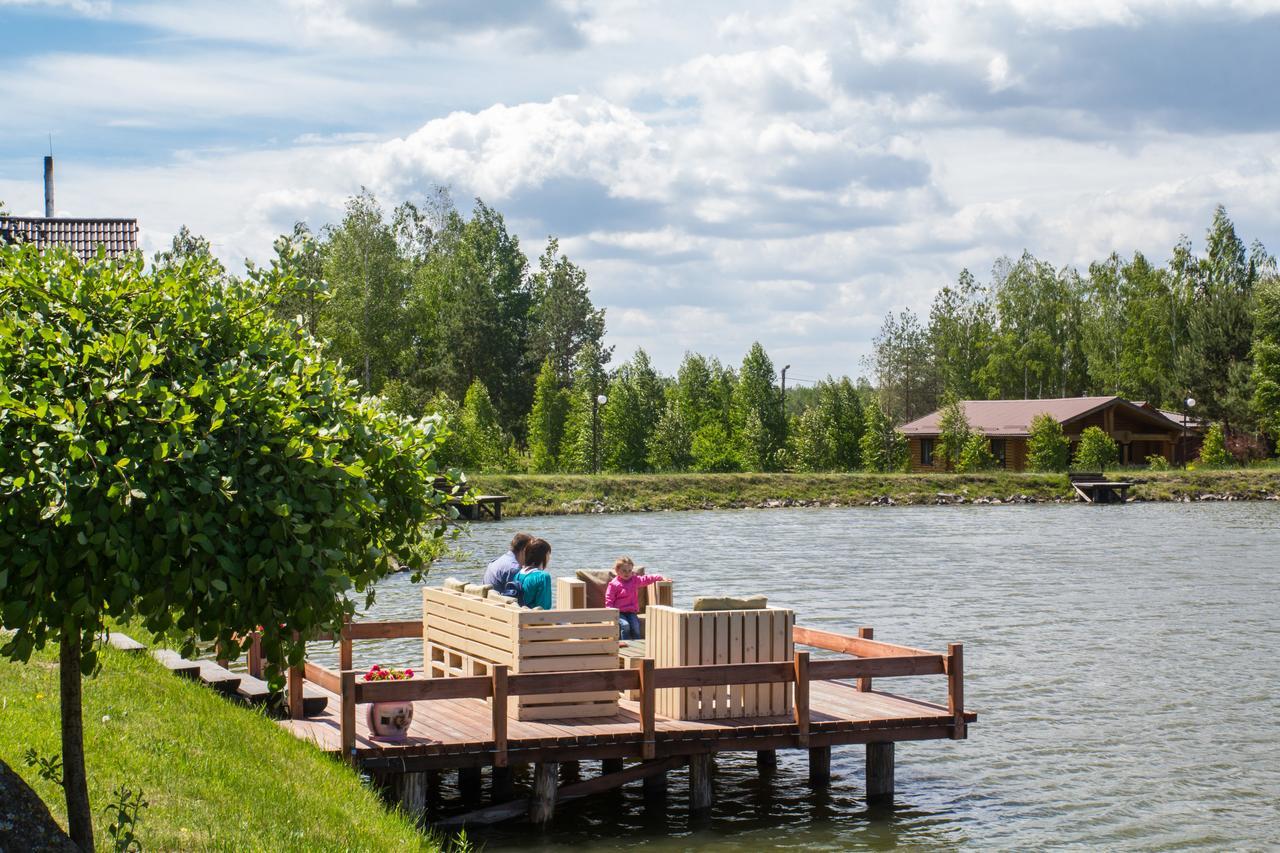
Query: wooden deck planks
(456, 727)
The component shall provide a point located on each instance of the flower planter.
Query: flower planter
(390, 720)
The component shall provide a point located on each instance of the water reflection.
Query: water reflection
(1123, 661)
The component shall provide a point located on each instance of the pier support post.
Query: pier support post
(470, 784)
(655, 786)
(610, 765)
(879, 772)
(570, 772)
(433, 788)
(410, 791)
(766, 760)
(701, 768)
(546, 784)
(820, 766)
(502, 785)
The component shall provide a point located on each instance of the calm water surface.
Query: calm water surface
(1124, 662)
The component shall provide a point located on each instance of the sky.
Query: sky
(726, 172)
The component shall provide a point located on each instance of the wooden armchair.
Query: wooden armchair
(575, 594)
(694, 638)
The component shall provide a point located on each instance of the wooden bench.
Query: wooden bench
(466, 635)
(695, 638)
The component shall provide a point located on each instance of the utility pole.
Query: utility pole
(784, 392)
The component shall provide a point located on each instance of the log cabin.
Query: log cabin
(1140, 431)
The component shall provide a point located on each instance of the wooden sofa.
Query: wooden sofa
(465, 634)
(692, 638)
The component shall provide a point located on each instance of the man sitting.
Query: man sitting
(503, 569)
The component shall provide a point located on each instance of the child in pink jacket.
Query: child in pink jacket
(623, 593)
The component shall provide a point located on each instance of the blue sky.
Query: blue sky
(726, 172)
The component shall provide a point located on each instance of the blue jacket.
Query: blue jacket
(501, 570)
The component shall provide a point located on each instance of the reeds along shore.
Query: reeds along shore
(570, 494)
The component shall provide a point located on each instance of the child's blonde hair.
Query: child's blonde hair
(623, 561)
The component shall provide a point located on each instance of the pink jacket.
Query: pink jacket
(625, 595)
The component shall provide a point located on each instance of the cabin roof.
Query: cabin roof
(82, 236)
(1013, 417)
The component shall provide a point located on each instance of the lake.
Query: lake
(1124, 662)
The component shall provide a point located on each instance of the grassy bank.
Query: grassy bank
(217, 775)
(555, 494)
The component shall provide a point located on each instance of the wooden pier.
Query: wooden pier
(1095, 488)
(466, 722)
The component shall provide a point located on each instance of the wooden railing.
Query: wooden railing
(874, 659)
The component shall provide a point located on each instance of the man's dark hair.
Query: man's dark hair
(536, 554)
(519, 542)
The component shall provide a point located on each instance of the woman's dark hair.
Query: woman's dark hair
(536, 554)
(519, 542)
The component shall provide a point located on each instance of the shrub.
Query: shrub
(1097, 451)
(713, 450)
(1213, 453)
(953, 434)
(1157, 462)
(976, 455)
(1047, 446)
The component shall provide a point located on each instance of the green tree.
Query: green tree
(472, 299)
(1096, 451)
(365, 321)
(562, 317)
(482, 444)
(671, 445)
(547, 420)
(188, 247)
(713, 449)
(1048, 448)
(580, 449)
(1266, 356)
(976, 454)
(171, 453)
(953, 433)
(1214, 364)
(1213, 453)
(826, 435)
(302, 256)
(902, 363)
(628, 420)
(809, 441)
(759, 426)
(961, 332)
(883, 448)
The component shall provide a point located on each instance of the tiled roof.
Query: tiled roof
(82, 236)
(1013, 417)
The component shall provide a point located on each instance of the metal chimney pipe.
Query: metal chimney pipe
(48, 186)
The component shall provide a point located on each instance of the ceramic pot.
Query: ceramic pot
(390, 720)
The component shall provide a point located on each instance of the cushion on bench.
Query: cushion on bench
(477, 589)
(724, 602)
(596, 581)
(454, 584)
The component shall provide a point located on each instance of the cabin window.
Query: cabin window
(926, 451)
(998, 451)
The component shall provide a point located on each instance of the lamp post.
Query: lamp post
(596, 403)
(1190, 402)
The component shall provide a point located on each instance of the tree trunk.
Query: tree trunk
(74, 782)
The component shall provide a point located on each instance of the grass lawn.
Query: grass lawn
(218, 776)
(563, 494)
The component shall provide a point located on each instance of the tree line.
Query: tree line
(441, 312)
(1202, 326)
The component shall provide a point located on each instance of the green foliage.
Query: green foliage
(547, 419)
(46, 767)
(904, 368)
(1096, 451)
(562, 318)
(1266, 356)
(124, 809)
(301, 257)
(960, 334)
(757, 413)
(975, 455)
(883, 447)
(482, 445)
(713, 450)
(580, 450)
(1048, 448)
(825, 436)
(145, 416)
(671, 445)
(953, 433)
(1157, 462)
(189, 248)
(1213, 453)
(627, 420)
